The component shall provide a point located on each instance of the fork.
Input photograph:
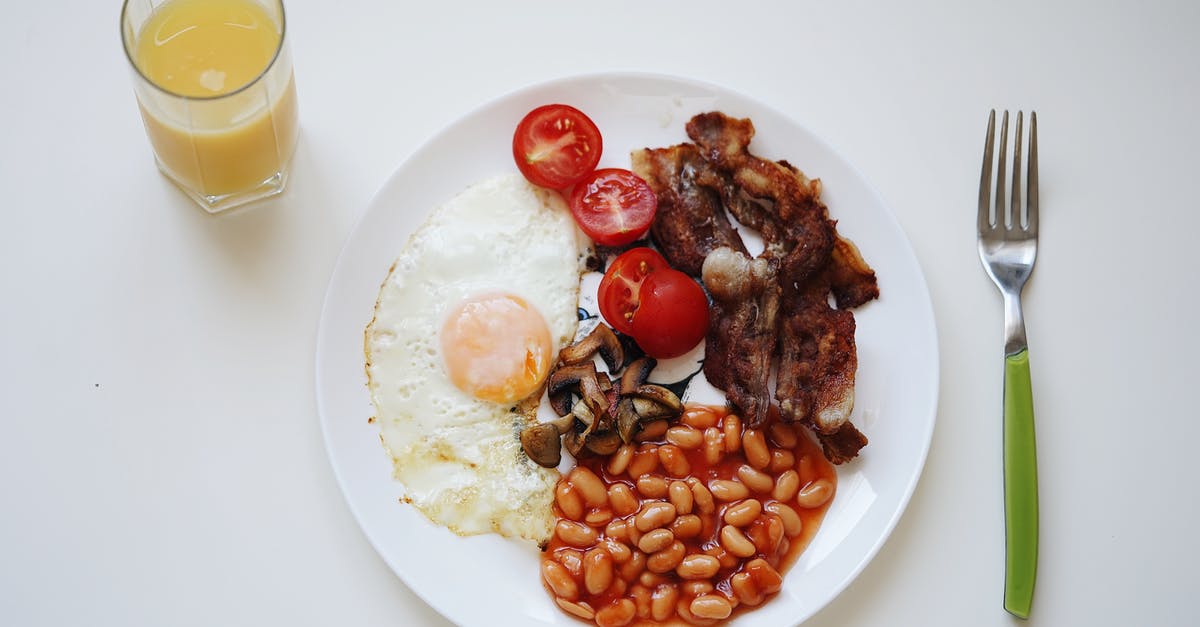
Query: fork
(1008, 248)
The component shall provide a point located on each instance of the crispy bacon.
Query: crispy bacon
(690, 222)
(775, 307)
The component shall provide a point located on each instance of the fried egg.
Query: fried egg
(468, 322)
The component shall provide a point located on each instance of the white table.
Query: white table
(160, 456)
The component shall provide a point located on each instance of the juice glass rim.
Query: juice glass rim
(126, 45)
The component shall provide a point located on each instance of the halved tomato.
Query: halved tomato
(618, 292)
(556, 145)
(672, 314)
(613, 206)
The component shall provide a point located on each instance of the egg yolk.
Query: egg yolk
(496, 347)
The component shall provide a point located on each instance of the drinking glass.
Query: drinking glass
(231, 144)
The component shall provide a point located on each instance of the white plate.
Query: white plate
(487, 580)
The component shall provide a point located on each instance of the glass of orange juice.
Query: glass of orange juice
(214, 83)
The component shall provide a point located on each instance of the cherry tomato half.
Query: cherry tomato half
(618, 293)
(613, 206)
(556, 145)
(672, 314)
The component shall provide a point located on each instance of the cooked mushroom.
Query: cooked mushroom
(567, 378)
(661, 396)
(636, 373)
(603, 442)
(628, 420)
(573, 441)
(601, 339)
(560, 402)
(542, 444)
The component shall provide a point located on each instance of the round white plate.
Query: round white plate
(488, 580)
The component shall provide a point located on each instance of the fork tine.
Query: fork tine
(983, 221)
(1031, 184)
(1015, 210)
(1001, 210)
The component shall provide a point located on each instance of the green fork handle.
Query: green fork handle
(1020, 487)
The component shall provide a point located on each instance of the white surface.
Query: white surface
(161, 461)
(896, 390)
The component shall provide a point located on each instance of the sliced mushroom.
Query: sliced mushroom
(561, 402)
(648, 410)
(567, 378)
(667, 404)
(595, 399)
(636, 373)
(564, 424)
(542, 444)
(602, 340)
(573, 441)
(603, 442)
(628, 420)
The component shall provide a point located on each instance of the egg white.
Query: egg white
(459, 457)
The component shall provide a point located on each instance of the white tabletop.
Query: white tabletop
(161, 461)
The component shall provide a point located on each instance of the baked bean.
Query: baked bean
(591, 488)
(806, 469)
(781, 460)
(792, 525)
(652, 486)
(684, 609)
(755, 445)
(654, 515)
(775, 531)
(620, 553)
(620, 460)
(711, 606)
(815, 494)
(622, 499)
(686, 526)
(673, 460)
(736, 542)
(698, 566)
(756, 480)
(597, 570)
(702, 498)
(615, 529)
(644, 461)
(651, 431)
(783, 435)
(728, 560)
(598, 517)
(618, 588)
(731, 428)
(616, 614)
(560, 580)
(652, 579)
(662, 601)
(695, 588)
(786, 486)
(681, 497)
(744, 589)
(742, 513)
(714, 445)
(581, 610)
(685, 437)
(568, 499)
(655, 541)
(634, 567)
(728, 490)
(575, 534)
(765, 577)
(641, 599)
(667, 559)
(571, 560)
(632, 534)
(699, 418)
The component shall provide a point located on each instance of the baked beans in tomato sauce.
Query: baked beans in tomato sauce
(688, 525)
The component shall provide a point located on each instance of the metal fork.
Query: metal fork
(1008, 248)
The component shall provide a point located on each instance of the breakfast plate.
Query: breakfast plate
(489, 580)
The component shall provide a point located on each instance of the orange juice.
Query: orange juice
(223, 119)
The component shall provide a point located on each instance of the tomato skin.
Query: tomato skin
(613, 206)
(556, 145)
(672, 314)
(619, 289)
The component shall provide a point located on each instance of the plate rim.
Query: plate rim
(924, 299)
